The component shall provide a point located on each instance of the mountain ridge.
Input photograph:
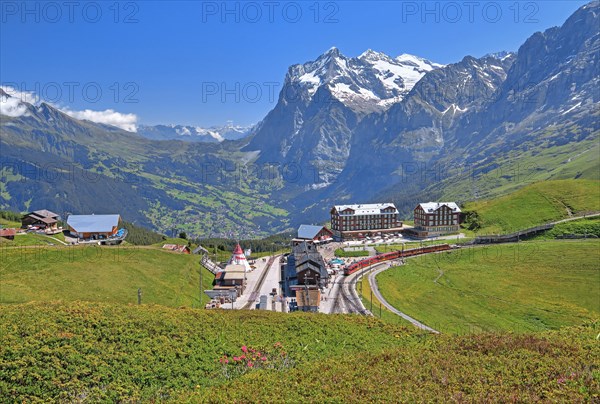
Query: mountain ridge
(535, 110)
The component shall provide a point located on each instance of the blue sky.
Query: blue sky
(205, 63)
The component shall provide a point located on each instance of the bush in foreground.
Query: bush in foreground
(99, 352)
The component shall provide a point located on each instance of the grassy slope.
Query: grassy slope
(588, 227)
(417, 244)
(536, 204)
(32, 239)
(9, 224)
(106, 274)
(169, 240)
(533, 162)
(94, 352)
(520, 287)
(364, 292)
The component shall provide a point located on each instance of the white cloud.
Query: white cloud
(14, 106)
(109, 117)
(21, 96)
(10, 106)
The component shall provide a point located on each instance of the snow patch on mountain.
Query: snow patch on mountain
(370, 81)
(212, 134)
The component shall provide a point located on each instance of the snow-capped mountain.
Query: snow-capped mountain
(213, 134)
(322, 101)
(369, 82)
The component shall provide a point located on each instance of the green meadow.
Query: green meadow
(529, 286)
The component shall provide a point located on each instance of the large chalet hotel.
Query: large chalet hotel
(355, 221)
(433, 219)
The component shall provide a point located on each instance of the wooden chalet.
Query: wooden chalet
(40, 220)
(304, 275)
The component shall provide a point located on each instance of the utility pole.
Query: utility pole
(371, 300)
(139, 295)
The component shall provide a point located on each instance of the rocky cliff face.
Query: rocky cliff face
(477, 113)
(415, 130)
(554, 77)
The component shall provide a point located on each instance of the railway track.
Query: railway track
(347, 301)
(256, 292)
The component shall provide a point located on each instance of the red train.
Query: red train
(392, 256)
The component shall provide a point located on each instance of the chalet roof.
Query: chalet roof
(308, 266)
(44, 216)
(366, 209)
(46, 213)
(431, 207)
(308, 231)
(305, 251)
(93, 223)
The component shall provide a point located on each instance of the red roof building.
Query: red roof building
(8, 233)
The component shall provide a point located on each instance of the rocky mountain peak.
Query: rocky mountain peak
(370, 82)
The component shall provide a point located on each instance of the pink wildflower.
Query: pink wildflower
(235, 358)
(244, 349)
(250, 364)
(242, 357)
(264, 358)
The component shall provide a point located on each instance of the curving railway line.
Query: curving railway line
(347, 300)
